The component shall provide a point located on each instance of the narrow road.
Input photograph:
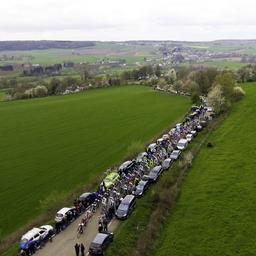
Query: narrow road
(63, 243)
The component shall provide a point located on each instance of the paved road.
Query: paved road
(63, 243)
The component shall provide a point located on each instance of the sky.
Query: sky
(120, 20)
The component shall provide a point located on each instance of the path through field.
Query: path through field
(63, 243)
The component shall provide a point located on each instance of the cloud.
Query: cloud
(127, 19)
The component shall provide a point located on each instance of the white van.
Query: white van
(62, 214)
(182, 144)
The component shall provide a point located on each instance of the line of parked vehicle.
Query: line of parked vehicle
(118, 192)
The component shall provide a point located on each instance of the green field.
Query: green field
(215, 213)
(2, 94)
(220, 64)
(55, 144)
(131, 53)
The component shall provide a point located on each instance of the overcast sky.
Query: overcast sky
(127, 19)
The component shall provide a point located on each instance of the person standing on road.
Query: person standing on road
(77, 248)
(82, 249)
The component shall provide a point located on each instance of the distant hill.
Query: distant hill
(41, 45)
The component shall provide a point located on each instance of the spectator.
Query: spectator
(82, 249)
(77, 248)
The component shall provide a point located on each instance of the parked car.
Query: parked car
(100, 243)
(87, 199)
(167, 163)
(166, 137)
(199, 128)
(141, 188)
(145, 177)
(203, 123)
(141, 156)
(46, 231)
(64, 214)
(126, 207)
(152, 147)
(126, 167)
(35, 236)
(175, 154)
(194, 133)
(189, 137)
(29, 239)
(160, 141)
(182, 144)
(194, 108)
(155, 173)
(111, 179)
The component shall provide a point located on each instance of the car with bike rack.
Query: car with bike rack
(111, 179)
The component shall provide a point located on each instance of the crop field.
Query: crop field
(50, 146)
(232, 64)
(215, 213)
(89, 54)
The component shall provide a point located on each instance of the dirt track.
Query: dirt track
(63, 243)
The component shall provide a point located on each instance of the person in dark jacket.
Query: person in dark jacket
(77, 248)
(82, 249)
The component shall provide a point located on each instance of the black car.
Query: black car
(155, 173)
(100, 243)
(87, 199)
(203, 123)
(194, 108)
(141, 188)
(126, 207)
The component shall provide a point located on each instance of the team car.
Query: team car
(100, 243)
(35, 236)
(110, 179)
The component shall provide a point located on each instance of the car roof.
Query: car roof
(112, 175)
(31, 233)
(99, 238)
(125, 164)
(142, 154)
(175, 151)
(46, 227)
(156, 167)
(64, 210)
(152, 145)
(167, 160)
(182, 141)
(84, 195)
(142, 182)
(128, 199)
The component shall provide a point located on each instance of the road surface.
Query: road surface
(63, 243)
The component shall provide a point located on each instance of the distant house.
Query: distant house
(38, 70)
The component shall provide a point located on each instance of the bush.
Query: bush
(217, 100)
(195, 98)
(238, 93)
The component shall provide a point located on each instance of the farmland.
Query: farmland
(215, 213)
(52, 145)
(131, 54)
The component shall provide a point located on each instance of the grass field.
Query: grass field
(220, 64)
(131, 53)
(55, 144)
(215, 213)
(2, 94)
